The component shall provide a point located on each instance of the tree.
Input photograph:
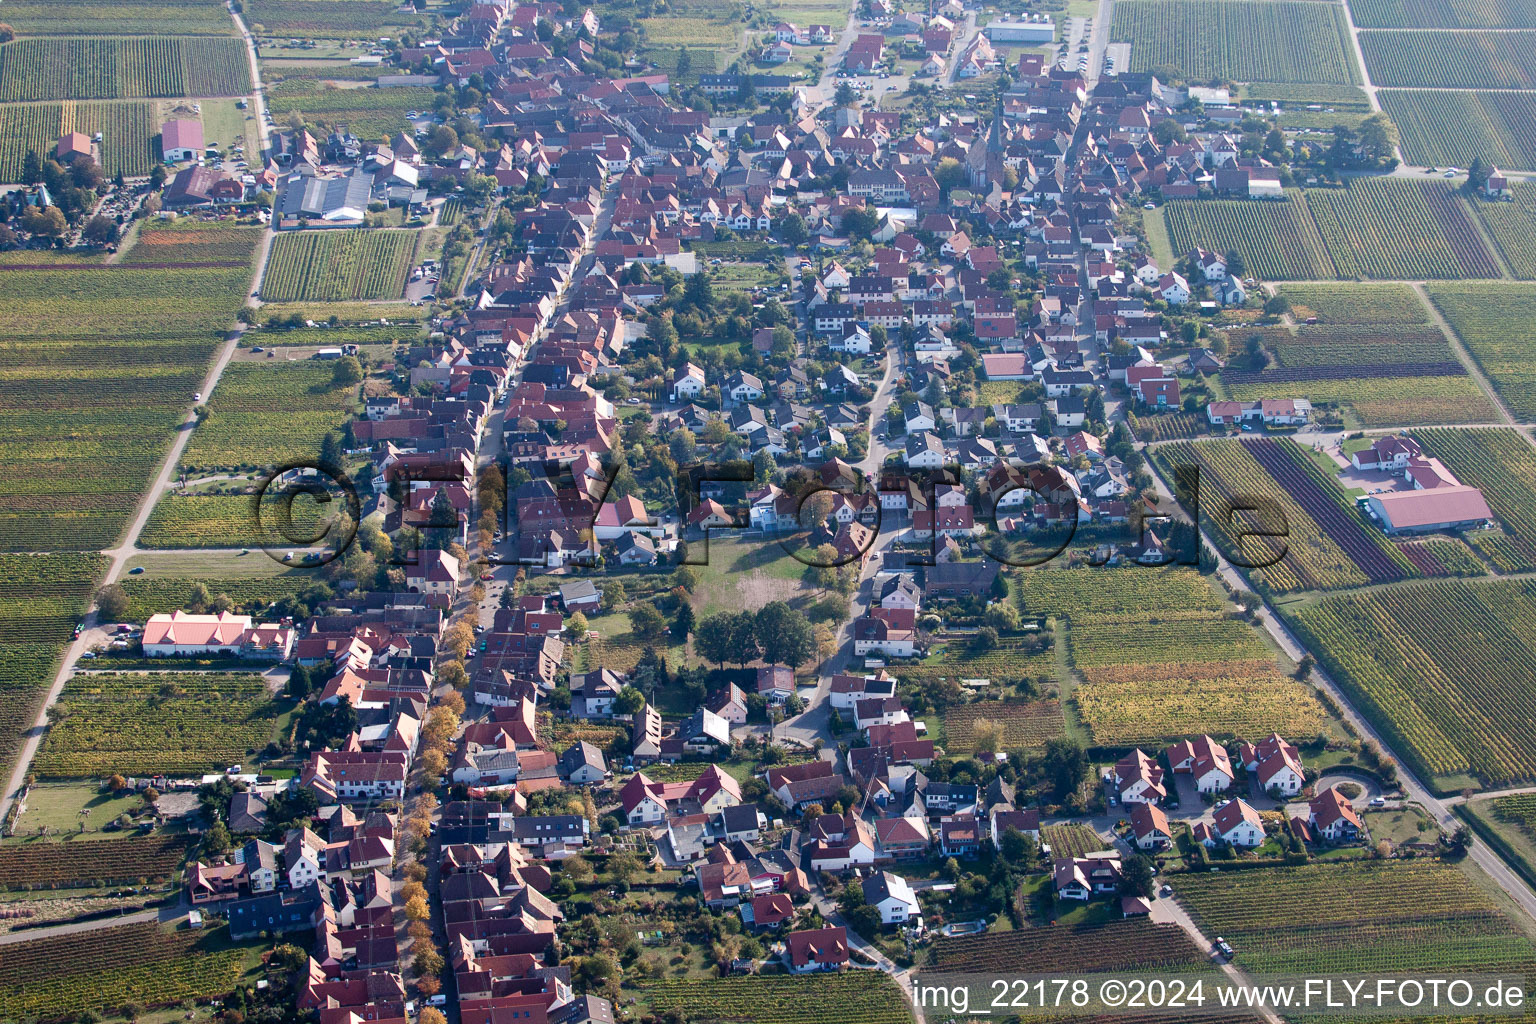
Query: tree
(1064, 763)
(647, 623)
(1169, 131)
(1235, 265)
(112, 602)
(686, 578)
(743, 638)
(712, 638)
(684, 62)
(986, 737)
(576, 626)
(348, 372)
(31, 168)
(682, 622)
(431, 1014)
(1016, 847)
(857, 224)
(1305, 666)
(985, 639)
(1477, 175)
(949, 174)
(443, 139)
(786, 635)
(416, 909)
(792, 230)
(7, 33)
(1136, 876)
(49, 223)
(613, 595)
(629, 701)
(100, 230)
(1277, 305)
(1378, 137)
(1002, 617)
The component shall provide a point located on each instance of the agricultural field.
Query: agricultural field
(1504, 466)
(1167, 426)
(41, 597)
(128, 133)
(91, 17)
(1134, 943)
(157, 722)
(151, 595)
(193, 243)
(1356, 304)
(1497, 323)
(1157, 704)
(268, 414)
(1443, 557)
(227, 520)
(1377, 396)
(1392, 229)
(1278, 241)
(67, 975)
(99, 366)
(1451, 60)
(1325, 545)
(855, 997)
(368, 313)
(372, 113)
(54, 864)
(1446, 127)
(1025, 724)
(1397, 917)
(1343, 98)
(1511, 821)
(329, 19)
(1072, 840)
(1451, 708)
(1512, 224)
(356, 263)
(1443, 13)
(1007, 662)
(93, 68)
(1303, 42)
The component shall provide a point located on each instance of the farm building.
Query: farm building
(181, 139)
(1425, 511)
(339, 198)
(1032, 30)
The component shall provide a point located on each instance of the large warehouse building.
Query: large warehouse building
(1439, 508)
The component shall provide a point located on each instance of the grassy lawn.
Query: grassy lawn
(224, 124)
(1401, 826)
(59, 806)
(746, 574)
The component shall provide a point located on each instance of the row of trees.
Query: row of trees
(775, 632)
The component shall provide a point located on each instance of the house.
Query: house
(892, 896)
(918, 416)
(581, 596)
(181, 139)
(1238, 824)
(1138, 779)
(955, 580)
(1331, 816)
(810, 782)
(924, 451)
(1390, 454)
(1149, 824)
(1082, 878)
(730, 703)
(181, 634)
(740, 823)
(876, 635)
(435, 572)
(1158, 392)
(902, 838)
(768, 911)
(776, 683)
(1172, 289)
(819, 949)
(688, 383)
(900, 591)
(742, 386)
(1280, 772)
(636, 549)
(1204, 759)
(583, 764)
(704, 732)
(959, 835)
(593, 693)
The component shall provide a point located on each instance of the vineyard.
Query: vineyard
(89, 863)
(1354, 304)
(1278, 241)
(128, 131)
(1512, 224)
(1394, 229)
(1449, 706)
(152, 595)
(370, 112)
(1007, 662)
(1024, 725)
(1135, 943)
(99, 68)
(193, 242)
(40, 598)
(1442, 127)
(347, 264)
(231, 521)
(91, 17)
(64, 976)
(143, 724)
(265, 414)
(1153, 705)
(1387, 397)
(1303, 42)
(1496, 324)
(1449, 557)
(1071, 840)
(1166, 426)
(858, 997)
(1307, 555)
(1504, 467)
(1443, 13)
(1451, 60)
(330, 19)
(1399, 917)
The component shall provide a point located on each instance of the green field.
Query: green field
(233, 521)
(1302, 41)
(1443, 127)
(1449, 706)
(1389, 917)
(61, 977)
(1497, 323)
(1278, 241)
(371, 113)
(1388, 228)
(82, 863)
(329, 19)
(1451, 60)
(95, 68)
(157, 722)
(128, 133)
(1512, 224)
(98, 367)
(1443, 13)
(355, 263)
(855, 997)
(1360, 305)
(193, 242)
(268, 413)
(85, 17)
